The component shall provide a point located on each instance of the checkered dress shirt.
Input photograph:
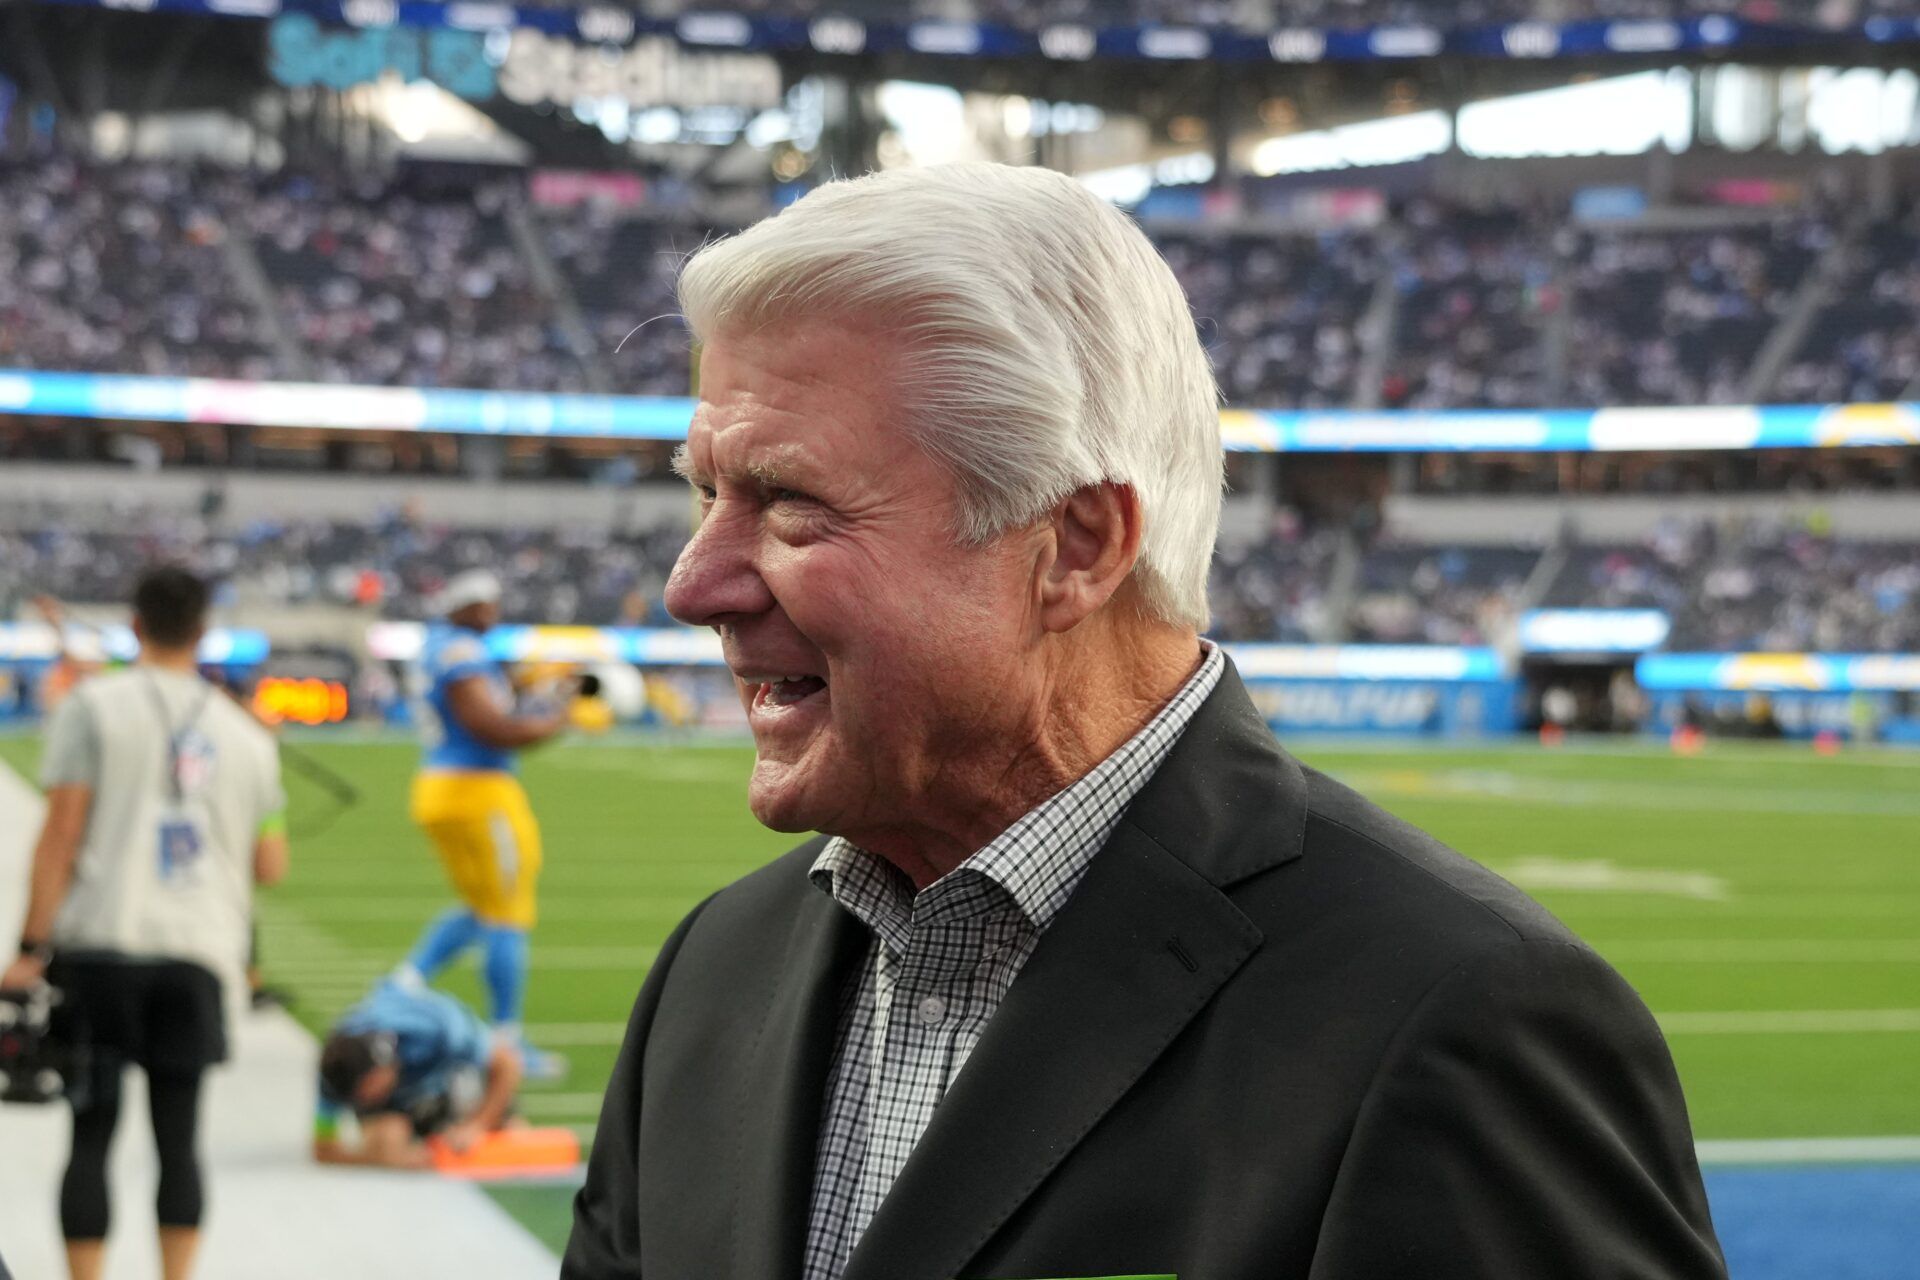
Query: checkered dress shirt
(939, 965)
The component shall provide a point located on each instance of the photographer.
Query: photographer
(164, 808)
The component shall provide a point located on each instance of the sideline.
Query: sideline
(271, 1211)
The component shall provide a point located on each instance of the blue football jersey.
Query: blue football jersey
(453, 654)
(441, 1045)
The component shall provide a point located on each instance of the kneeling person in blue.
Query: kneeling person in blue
(411, 1063)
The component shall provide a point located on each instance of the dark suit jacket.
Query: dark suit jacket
(1275, 1033)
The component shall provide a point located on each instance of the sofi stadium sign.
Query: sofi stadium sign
(647, 73)
(525, 66)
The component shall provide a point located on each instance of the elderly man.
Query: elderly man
(1085, 976)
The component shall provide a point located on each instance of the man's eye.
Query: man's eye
(787, 495)
(706, 492)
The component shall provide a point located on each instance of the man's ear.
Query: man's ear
(1096, 540)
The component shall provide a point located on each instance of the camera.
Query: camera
(41, 1061)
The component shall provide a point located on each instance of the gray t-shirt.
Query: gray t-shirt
(166, 867)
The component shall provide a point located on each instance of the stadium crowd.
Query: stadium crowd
(1764, 585)
(1760, 585)
(623, 271)
(1865, 344)
(422, 279)
(119, 269)
(394, 286)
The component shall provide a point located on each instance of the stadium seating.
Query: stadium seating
(622, 270)
(1278, 314)
(1768, 586)
(120, 270)
(1616, 577)
(1677, 317)
(1439, 595)
(435, 278)
(1275, 588)
(1787, 590)
(404, 287)
(1865, 344)
(1475, 289)
(560, 576)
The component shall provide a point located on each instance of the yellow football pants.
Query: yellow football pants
(484, 829)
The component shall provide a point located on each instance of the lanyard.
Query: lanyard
(175, 791)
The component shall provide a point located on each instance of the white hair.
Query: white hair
(1048, 346)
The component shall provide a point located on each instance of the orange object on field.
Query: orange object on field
(509, 1153)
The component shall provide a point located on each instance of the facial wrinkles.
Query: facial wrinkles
(921, 744)
(955, 778)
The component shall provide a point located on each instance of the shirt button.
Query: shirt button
(932, 1009)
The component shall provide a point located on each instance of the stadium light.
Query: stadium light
(1392, 140)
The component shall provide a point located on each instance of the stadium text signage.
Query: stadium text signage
(650, 72)
(301, 53)
(647, 73)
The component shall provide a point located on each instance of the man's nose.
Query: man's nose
(714, 581)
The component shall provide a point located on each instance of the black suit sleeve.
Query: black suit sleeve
(605, 1241)
(1526, 1121)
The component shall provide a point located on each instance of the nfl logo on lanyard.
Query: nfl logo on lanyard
(193, 761)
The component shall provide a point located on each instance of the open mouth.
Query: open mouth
(787, 691)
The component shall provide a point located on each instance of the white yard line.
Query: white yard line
(272, 1213)
(1476, 785)
(369, 965)
(1769, 951)
(559, 1035)
(1740, 1022)
(629, 903)
(1809, 1150)
(560, 1104)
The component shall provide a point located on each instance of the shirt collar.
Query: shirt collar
(1039, 860)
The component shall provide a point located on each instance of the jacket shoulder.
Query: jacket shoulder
(766, 896)
(1402, 873)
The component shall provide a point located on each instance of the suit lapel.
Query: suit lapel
(784, 1089)
(1138, 952)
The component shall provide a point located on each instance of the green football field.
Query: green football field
(1763, 899)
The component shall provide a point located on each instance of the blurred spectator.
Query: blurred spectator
(1677, 317)
(1279, 315)
(1274, 589)
(1439, 595)
(623, 272)
(421, 280)
(1475, 290)
(1756, 586)
(1865, 345)
(412, 288)
(119, 270)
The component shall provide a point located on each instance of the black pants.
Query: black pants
(174, 1100)
(165, 1018)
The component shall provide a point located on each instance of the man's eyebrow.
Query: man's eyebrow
(784, 467)
(772, 473)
